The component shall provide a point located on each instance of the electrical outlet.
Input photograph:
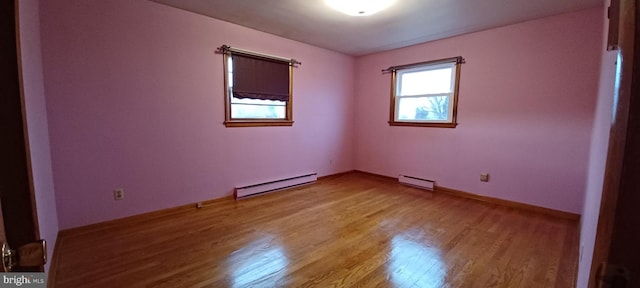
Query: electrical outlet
(199, 205)
(484, 177)
(118, 194)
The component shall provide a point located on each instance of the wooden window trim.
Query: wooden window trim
(418, 124)
(257, 123)
(248, 122)
(454, 113)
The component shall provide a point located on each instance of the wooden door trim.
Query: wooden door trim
(25, 129)
(617, 138)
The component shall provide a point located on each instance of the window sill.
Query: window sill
(257, 123)
(421, 124)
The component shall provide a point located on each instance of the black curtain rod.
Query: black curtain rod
(457, 60)
(225, 49)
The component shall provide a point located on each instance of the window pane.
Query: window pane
(431, 108)
(426, 82)
(257, 111)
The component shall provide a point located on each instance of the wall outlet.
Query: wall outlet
(118, 194)
(484, 177)
(199, 205)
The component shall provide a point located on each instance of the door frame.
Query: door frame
(25, 127)
(15, 100)
(617, 178)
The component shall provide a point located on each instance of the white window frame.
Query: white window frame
(396, 85)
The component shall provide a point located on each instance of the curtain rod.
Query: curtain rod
(457, 60)
(225, 49)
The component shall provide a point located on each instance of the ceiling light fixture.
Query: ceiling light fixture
(359, 7)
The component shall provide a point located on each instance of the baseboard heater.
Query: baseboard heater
(271, 186)
(418, 182)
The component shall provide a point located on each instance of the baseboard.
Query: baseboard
(511, 204)
(376, 175)
(336, 175)
(493, 200)
(91, 228)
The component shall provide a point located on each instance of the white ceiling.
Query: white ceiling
(405, 23)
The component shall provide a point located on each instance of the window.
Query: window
(258, 89)
(425, 94)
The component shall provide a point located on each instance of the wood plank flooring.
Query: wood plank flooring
(352, 230)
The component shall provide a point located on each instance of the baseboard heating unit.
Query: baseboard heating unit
(418, 182)
(271, 186)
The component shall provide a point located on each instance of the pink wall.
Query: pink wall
(527, 97)
(36, 119)
(597, 159)
(135, 101)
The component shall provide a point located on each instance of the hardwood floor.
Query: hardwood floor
(353, 230)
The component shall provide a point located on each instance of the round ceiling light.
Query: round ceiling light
(359, 7)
